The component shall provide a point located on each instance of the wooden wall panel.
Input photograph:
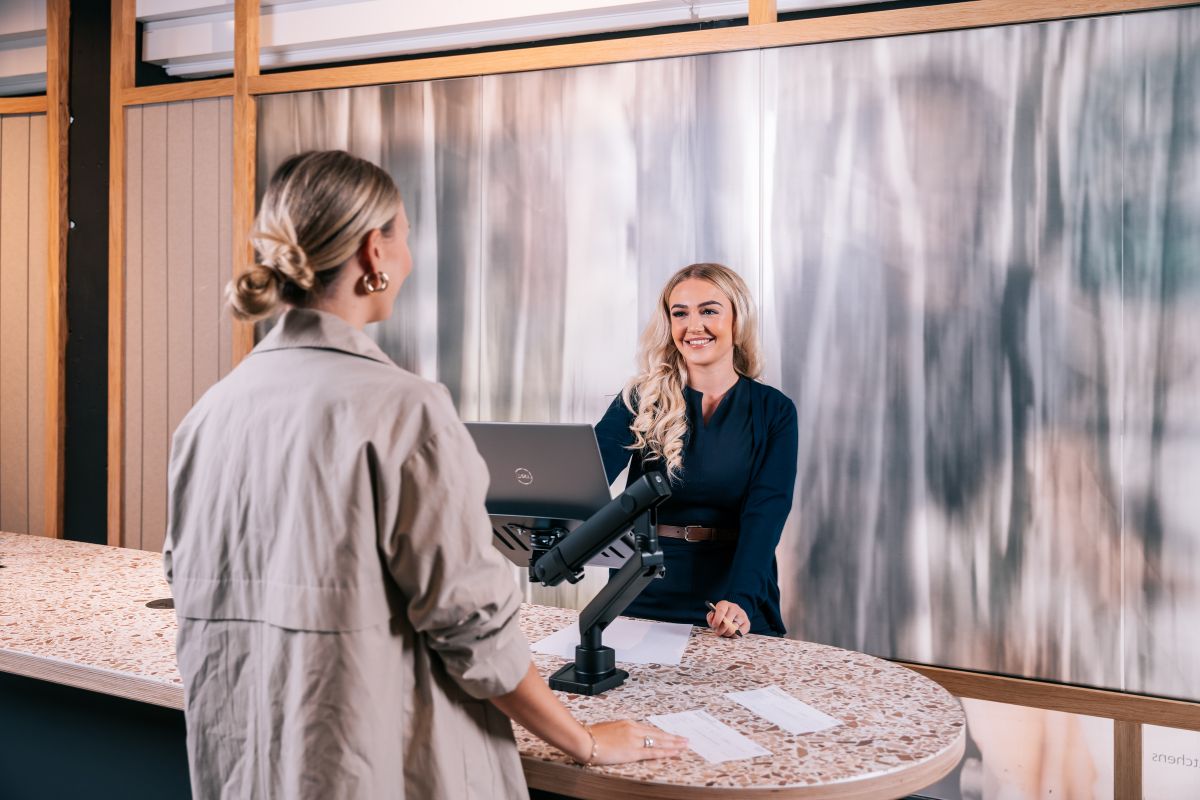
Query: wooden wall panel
(180, 223)
(23, 323)
(132, 463)
(155, 426)
(206, 261)
(14, 324)
(38, 330)
(225, 230)
(178, 197)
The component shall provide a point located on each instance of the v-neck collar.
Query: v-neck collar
(697, 397)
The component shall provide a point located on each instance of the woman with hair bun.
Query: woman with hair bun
(346, 628)
(696, 412)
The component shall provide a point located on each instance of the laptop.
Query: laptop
(543, 476)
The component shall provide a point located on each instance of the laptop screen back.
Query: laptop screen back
(543, 475)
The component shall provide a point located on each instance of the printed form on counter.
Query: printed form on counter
(637, 641)
(775, 705)
(712, 739)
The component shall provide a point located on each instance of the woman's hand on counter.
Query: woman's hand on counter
(534, 706)
(624, 740)
(728, 619)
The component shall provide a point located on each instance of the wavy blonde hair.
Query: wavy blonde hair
(317, 209)
(655, 394)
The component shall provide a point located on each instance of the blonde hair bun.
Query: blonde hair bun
(254, 293)
(316, 211)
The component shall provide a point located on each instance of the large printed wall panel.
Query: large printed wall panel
(975, 251)
(595, 191)
(426, 136)
(536, 266)
(23, 334)
(1160, 350)
(951, 286)
(178, 185)
(980, 308)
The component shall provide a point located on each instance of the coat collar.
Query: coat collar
(307, 328)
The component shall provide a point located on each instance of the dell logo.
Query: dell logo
(524, 476)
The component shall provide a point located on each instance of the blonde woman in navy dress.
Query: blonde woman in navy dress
(696, 412)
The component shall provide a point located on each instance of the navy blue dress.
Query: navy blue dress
(739, 471)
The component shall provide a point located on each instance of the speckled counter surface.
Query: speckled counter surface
(76, 614)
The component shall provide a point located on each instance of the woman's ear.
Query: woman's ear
(370, 252)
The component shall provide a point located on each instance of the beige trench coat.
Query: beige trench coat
(342, 612)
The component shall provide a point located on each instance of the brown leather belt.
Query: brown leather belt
(696, 533)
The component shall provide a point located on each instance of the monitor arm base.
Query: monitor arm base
(595, 670)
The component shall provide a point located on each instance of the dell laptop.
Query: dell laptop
(545, 477)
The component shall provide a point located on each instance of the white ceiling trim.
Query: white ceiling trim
(195, 39)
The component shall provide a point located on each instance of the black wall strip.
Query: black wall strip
(85, 445)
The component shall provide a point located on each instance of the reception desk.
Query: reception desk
(76, 615)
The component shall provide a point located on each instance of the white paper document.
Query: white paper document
(712, 739)
(775, 705)
(637, 641)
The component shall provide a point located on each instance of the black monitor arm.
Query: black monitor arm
(594, 670)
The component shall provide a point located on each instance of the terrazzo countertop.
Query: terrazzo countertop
(76, 614)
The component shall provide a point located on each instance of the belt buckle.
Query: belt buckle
(687, 529)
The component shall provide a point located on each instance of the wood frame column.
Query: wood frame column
(58, 118)
(763, 12)
(1127, 760)
(245, 148)
(121, 77)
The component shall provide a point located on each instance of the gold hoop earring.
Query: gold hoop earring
(374, 282)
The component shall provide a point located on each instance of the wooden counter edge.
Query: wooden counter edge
(591, 784)
(93, 679)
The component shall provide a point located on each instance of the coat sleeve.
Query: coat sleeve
(614, 437)
(764, 512)
(458, 591)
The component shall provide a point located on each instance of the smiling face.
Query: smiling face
(702, 322)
